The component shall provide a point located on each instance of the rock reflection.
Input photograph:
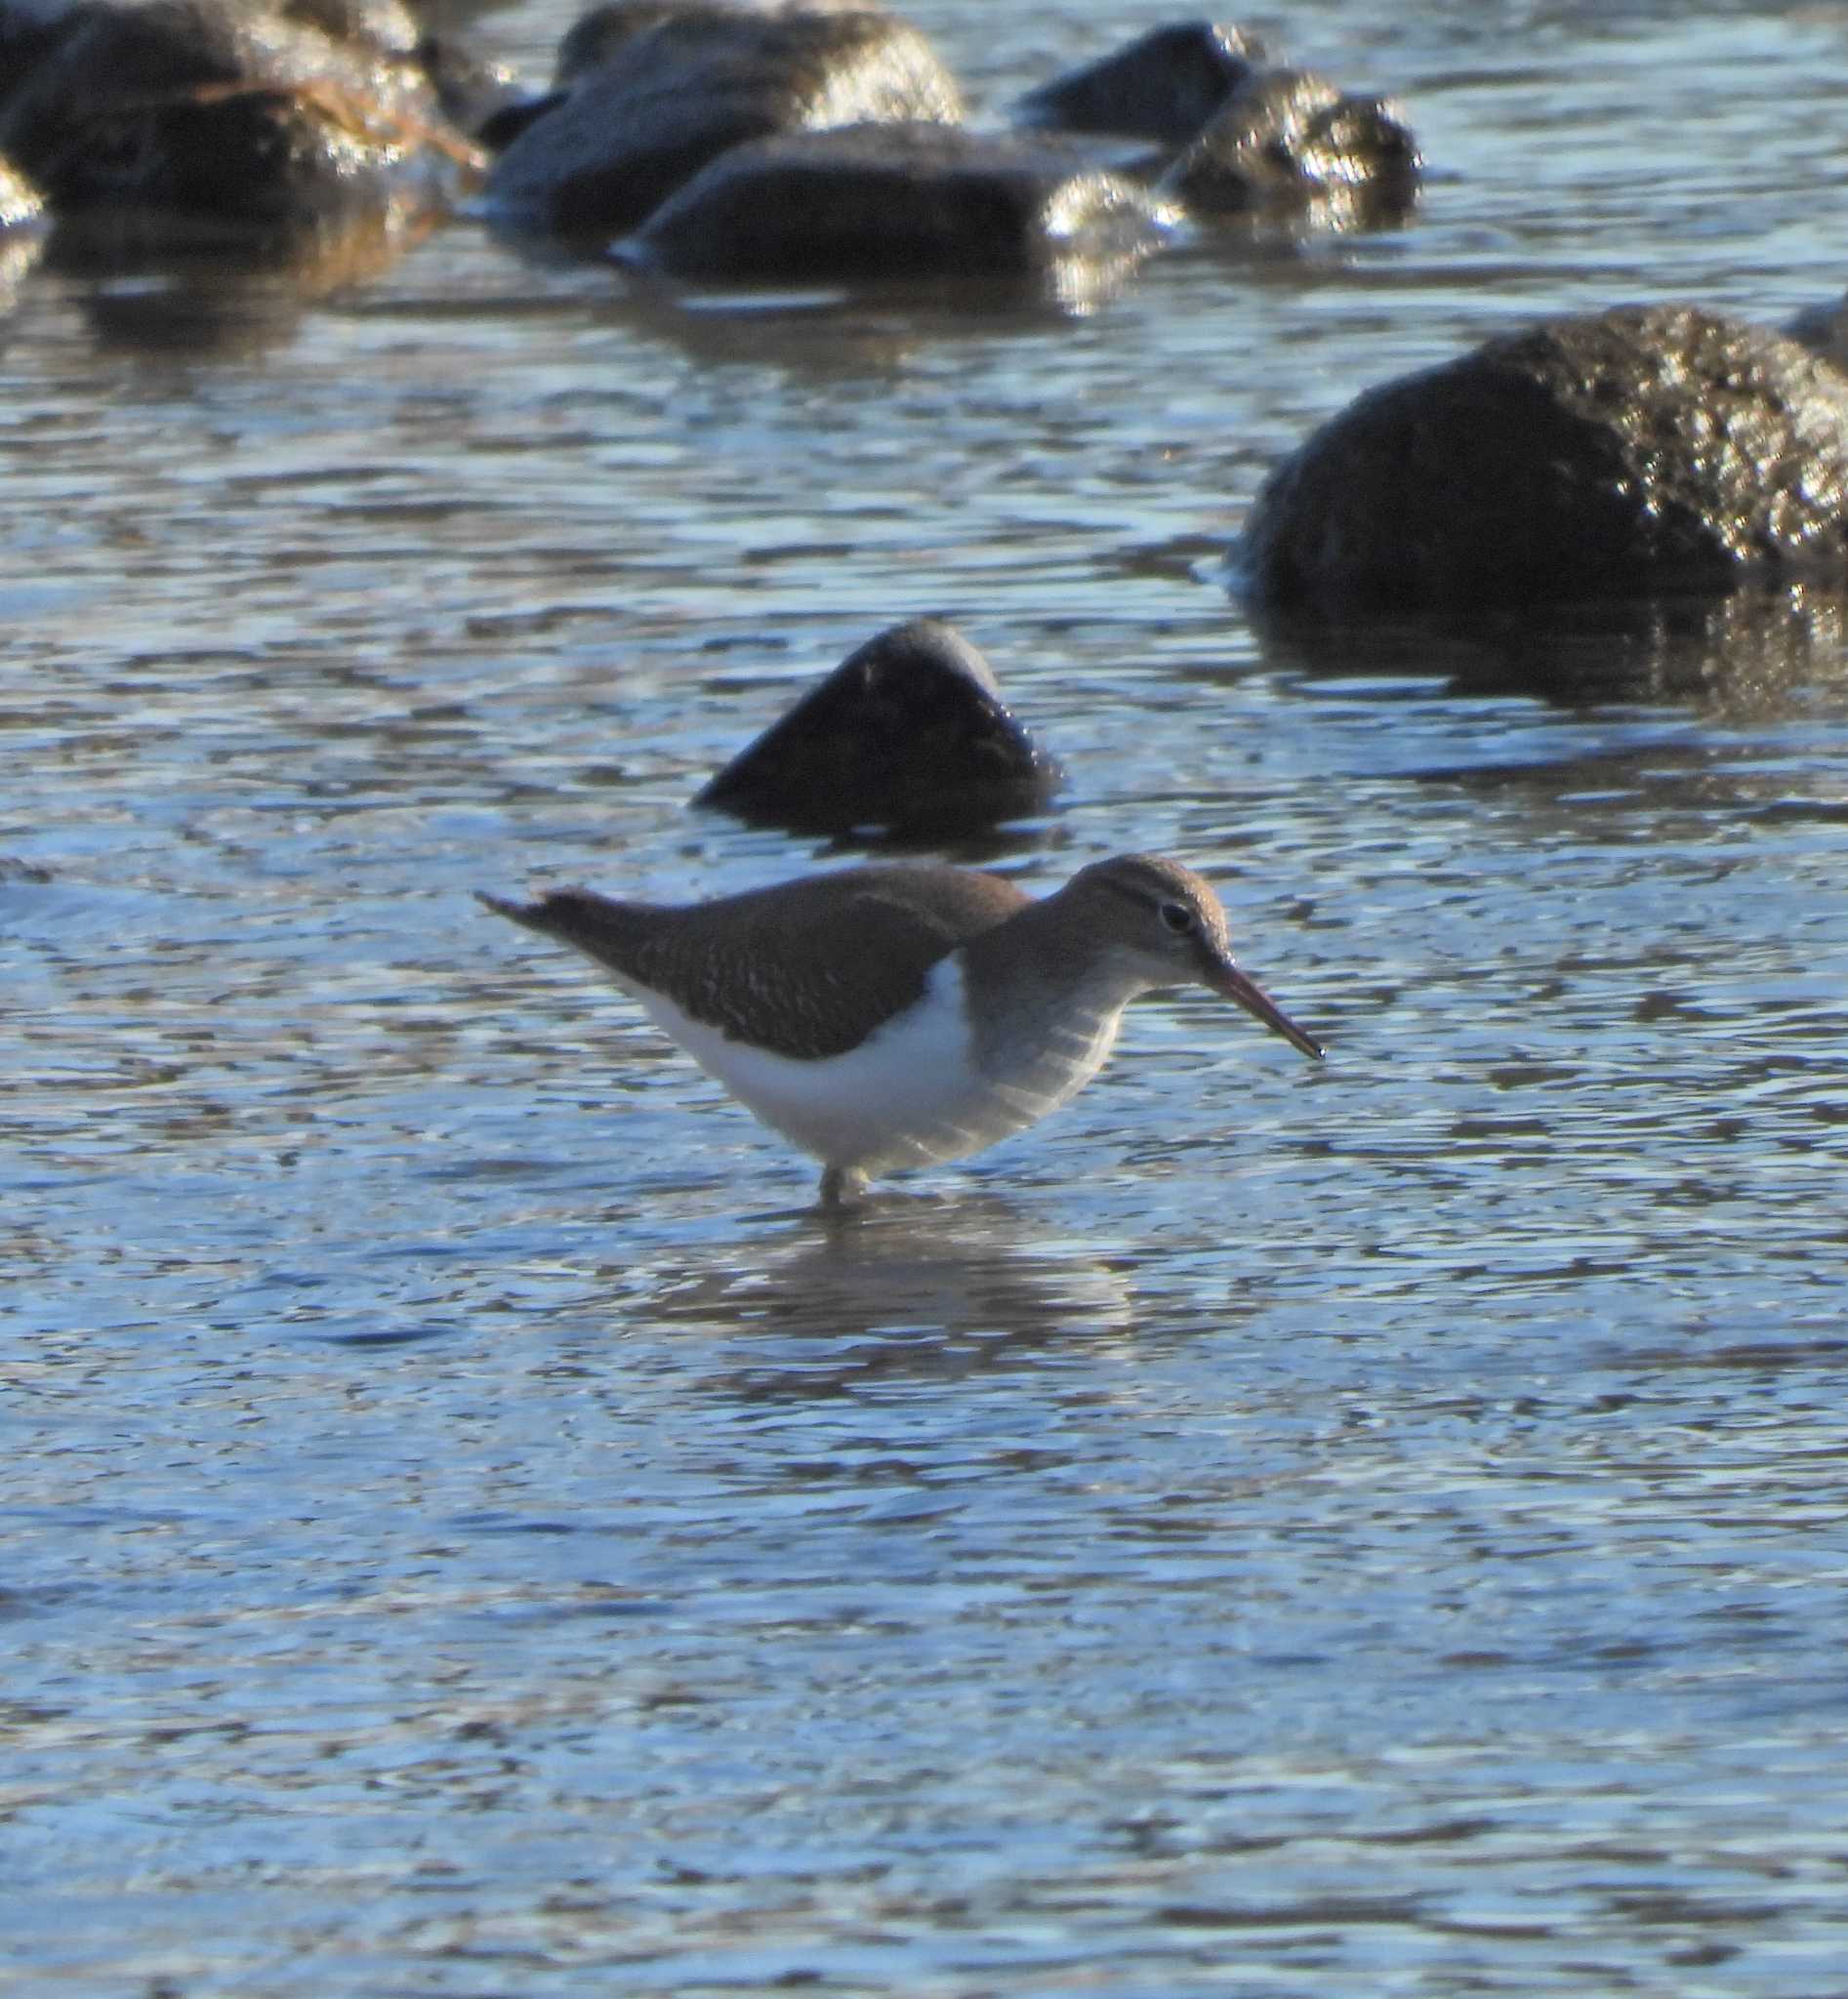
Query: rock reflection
(19, 250)
(165, 288)
(1751, 655)
(881, 324)
(914, 1286)
(1698, 782)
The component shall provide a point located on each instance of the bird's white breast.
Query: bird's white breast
(910, 1095)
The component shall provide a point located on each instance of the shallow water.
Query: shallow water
(1374, 1529)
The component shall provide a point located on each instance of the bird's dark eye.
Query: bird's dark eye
(1178, 916)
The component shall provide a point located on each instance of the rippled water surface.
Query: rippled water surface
(1376, 1530)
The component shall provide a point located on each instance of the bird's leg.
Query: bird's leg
(841, 1188)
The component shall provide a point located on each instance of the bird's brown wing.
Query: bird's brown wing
(805, 969)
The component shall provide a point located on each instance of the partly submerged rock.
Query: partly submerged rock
(677, 95)
(1639, 449)
(1163, 87)
(389, 28)
(907, 736)
(228, 108)
(1287, 140)
(862, 202)
(480, 98)
(600, 33)
(268, 158)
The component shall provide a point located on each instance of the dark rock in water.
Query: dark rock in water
(907, 735)
(503, 124)
(1823, 330)
(895, 201)
(227, 108)
(600, 33)
(476, 95)
(1288, 139)
(1640, 449)
(677, 95)
(267, 158)
(1164, 86)
(387, 26)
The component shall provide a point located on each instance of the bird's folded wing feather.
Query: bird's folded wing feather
(806, 969)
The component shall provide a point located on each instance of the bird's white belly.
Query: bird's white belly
(910, 1095)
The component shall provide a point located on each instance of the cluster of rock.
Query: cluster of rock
(803, 142)
(746, 141)
(730, 139)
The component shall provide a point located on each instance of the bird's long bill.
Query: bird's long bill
(1227, 978)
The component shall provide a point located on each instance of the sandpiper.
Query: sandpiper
(896, 1016)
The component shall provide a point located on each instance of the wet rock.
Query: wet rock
(1288, 139)
(601, 32)
(895, 201)
(222, 107)
(21, 203)
(1164, 87)
(477, 97)
(907, 736)
(387, 26)
(21, 239)
(678, 94)
(1640, 449)
(596, 37)
(1823, 330)
(29, 29)
(263, 158)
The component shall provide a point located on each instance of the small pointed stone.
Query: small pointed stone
(907, 735)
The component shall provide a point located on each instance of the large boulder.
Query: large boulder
(1161, 87)
(1639, 449)
(1290, 141)
(228, 108)
(680, 93)
(862, 202)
